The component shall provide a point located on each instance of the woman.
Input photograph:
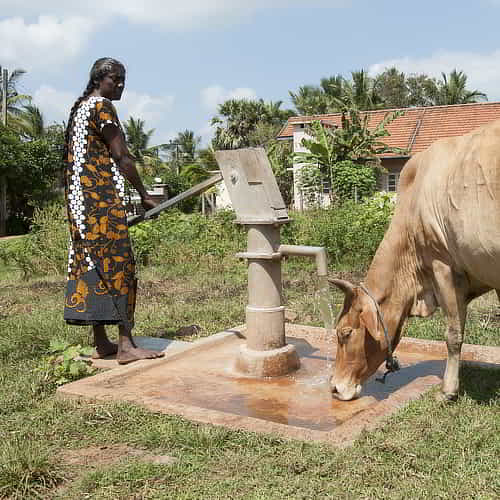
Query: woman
(101, 286)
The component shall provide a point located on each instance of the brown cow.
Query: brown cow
(442, 249)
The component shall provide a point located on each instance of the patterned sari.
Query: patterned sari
(101, 286)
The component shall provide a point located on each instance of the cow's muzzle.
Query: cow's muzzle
(345, 392)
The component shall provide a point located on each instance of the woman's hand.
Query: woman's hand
(148, 203)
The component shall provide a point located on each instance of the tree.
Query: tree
(309, 100)
(15, 101)
(361, 92)
(188, 144)
(279, 154)
(32, 169)
(391, 86)
(31, 122)
(390, 89)
(452, 89)
(206, 157)
(137, 138)
(239, 118)
(422, 90)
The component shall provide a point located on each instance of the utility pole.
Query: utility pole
(3, 178)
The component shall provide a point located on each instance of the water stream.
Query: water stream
(323, 299)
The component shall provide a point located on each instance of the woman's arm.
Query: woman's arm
(126, 164)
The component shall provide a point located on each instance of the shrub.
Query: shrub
(353, 180)
(350, 232)
(45, 249)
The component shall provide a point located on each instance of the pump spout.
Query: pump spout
(319, 253)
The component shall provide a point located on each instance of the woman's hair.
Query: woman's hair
(99, 70)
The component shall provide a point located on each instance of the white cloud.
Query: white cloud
(151, 109)
(482, 70)
(55, 104)
(49, 41)
(206, 133)
(212, 96)
(49, 33)
(170, 14)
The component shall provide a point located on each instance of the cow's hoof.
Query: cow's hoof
(446, 397)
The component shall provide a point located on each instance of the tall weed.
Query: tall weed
(44, 250)
(26, 469)
(350, 232)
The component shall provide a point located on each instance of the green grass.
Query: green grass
(426, 450)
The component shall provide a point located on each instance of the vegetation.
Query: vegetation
(345, 158)
(32, 171)
(390, 89)
(138, 139)
(29, 148)
(239, 118)
(50, 448)
(15, 101)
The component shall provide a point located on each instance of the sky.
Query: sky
(184, 58)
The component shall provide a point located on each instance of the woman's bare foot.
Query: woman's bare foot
(104, 350)
(128, 350)
(135, 353)
(103, 346)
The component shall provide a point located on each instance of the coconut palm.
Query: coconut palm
(31, 123)
(188, 144)
(333, 86)
(452, 90)
(137, 138)
(309, 100)
(361, 92)
(15, 101)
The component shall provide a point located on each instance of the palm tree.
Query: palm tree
(31, 123)
(188, 144)
(360, 92)
(239, 118)
(138, 139)
(452, 90)
(309, 100)
(15, 101)
(333, 86)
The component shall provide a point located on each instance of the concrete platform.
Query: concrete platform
(198, 381)
(168, 346)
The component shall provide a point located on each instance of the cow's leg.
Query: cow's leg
(452, 290)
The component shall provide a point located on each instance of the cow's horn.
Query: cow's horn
(345, 286)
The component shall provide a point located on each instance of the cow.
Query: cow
(442, 249)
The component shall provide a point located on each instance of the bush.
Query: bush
(175, 235)
(45, 249)
(351, 180)
(350, 232)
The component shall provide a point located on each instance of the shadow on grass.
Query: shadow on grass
(480, 384)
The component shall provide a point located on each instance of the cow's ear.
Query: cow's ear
(369, 319)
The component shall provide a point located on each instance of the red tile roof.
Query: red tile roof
(418, 128)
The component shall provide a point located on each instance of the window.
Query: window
(392, 182)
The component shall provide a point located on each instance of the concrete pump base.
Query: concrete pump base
(200, 381)
(272, 363)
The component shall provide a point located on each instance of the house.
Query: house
(415, 131)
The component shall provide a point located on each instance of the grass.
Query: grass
(426, 450)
